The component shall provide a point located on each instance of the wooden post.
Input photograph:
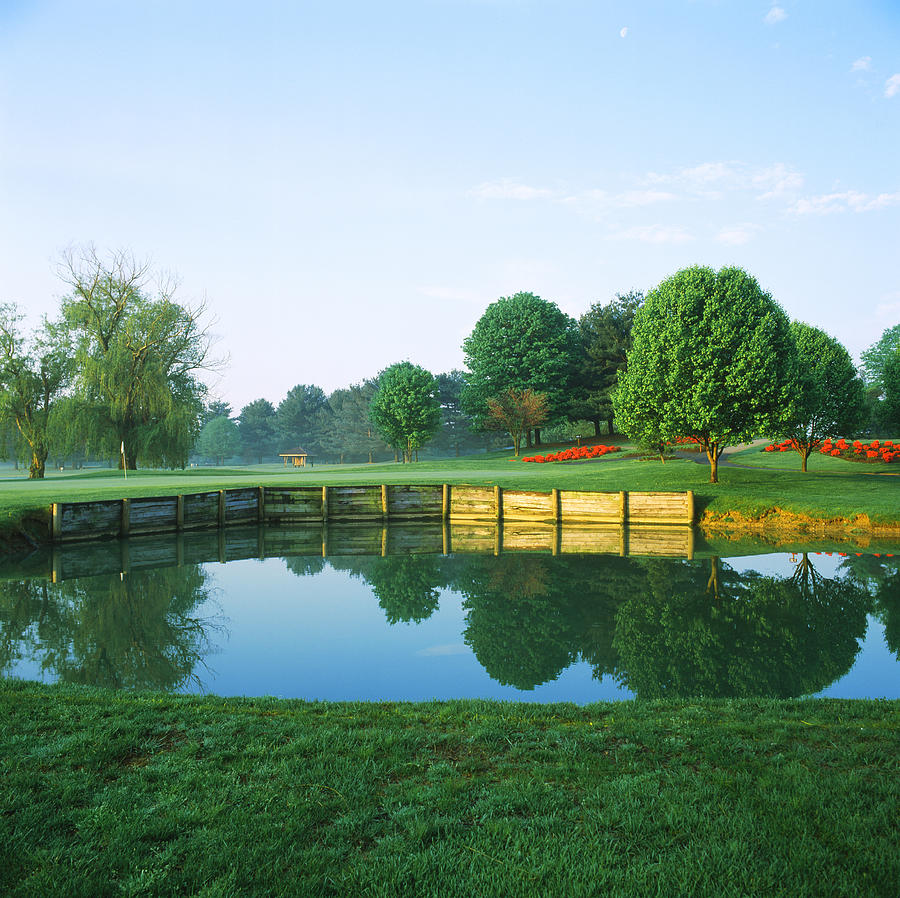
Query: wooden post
(623, 507)
(221, 508)
(125, 522)
(554, 501)
(179, 512)
(261, 505)
(261, 541)
(324, 540)
(445, 501)
(124, 558)
(690, 507)
(623, 540)
(56, 523)
(498, 538)
(384, 542)
(498, 502)
(55, 575)
(690, 545)
(557, 537)
(384, 501)
(324, 506)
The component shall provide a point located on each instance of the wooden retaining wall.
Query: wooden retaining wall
(72, 559)
(305, 504)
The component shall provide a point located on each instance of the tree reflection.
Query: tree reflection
(880, 575)
(136, 631)
(516, 620)
(715, 632)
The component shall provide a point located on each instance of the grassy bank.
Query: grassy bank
(841, 491)
(107, 793)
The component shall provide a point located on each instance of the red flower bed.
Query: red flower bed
(574, 454)
(884, 451)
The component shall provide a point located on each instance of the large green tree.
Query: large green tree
(878, 355)
(405, 407)
(521, 342)
(889, 411)
(256, 424)
(303, 418)
(712, 359)
(830, 399)
(219, 439)
(34, 371)
(605, 339)
(350, 429)
(139, 357)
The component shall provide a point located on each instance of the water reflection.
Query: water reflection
(135, 631)
(659, 627)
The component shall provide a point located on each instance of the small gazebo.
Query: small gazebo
(299, 458)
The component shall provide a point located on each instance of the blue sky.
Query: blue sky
(349, 184)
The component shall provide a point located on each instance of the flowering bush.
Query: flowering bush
(884, 451)
(574, 454)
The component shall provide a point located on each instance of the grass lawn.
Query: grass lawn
(833, 489)
(123, 794)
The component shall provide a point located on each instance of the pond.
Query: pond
(514, 626)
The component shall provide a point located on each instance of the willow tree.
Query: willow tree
(712, 359)
(139, 356)
(34, 372)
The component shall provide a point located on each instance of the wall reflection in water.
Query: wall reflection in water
(658, 626)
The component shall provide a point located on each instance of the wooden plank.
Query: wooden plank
(359, 502)
(658, 508)
(90, 520)
(414, 500)
(149, 515)
(201, 509)
(241, 505)
(473, 502)
(521, 505)
(293, 503)
(579, 505)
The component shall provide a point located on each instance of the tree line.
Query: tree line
(706, 356)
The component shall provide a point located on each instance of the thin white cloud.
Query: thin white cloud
(776, 180)
(713, 179)
(775, 15)
(863, 64)
(643, 198)
(656, 233)
(509, 189)
(892, 86)
(623, 32)
(737, 235)
(845, 201)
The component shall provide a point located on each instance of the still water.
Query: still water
(516, 626)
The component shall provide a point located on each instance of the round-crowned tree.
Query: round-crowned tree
(712, 359)
(521, 342)
(830, 398)
(405, 408)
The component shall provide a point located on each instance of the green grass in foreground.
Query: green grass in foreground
(843, 491)
(123, 794)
